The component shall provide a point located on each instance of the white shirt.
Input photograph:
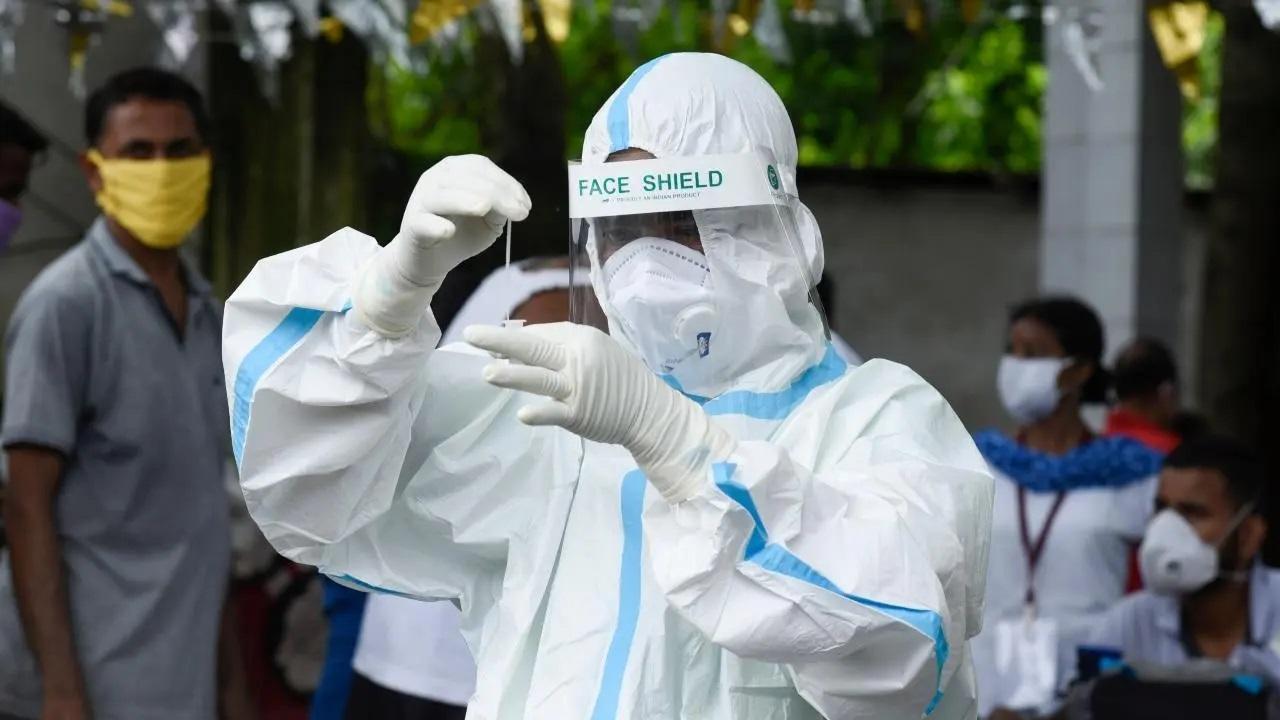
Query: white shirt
(416, 648)
(1082, 570)
(1146, 627)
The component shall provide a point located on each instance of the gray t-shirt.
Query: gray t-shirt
(96, 370)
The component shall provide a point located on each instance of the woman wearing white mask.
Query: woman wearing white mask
(1069, 507)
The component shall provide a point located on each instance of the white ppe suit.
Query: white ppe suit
(831, 565)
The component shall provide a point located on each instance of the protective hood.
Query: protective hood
(763, 262)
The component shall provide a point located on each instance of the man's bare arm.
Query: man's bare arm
(38, 577)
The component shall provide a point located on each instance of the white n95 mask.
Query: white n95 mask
(1173, 558)
(662, 293)
(738, 312)
(1028, 387)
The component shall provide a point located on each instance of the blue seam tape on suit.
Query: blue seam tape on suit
(620, 112)
(295, 326)
(778, 559)
(770, 405)
(629, 578)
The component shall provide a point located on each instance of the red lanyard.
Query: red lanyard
(1033, 550)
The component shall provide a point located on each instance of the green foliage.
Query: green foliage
(441, 107)
(878, 101)
(956, 97)
(984, 111)
(595, 62)
(1200, 116)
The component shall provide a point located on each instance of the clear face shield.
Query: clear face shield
(704, 266)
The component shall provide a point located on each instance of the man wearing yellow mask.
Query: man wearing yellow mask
(115, 424)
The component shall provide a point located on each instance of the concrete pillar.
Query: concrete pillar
(1111, 225)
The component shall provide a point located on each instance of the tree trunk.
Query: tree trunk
(291, 172)
(527, 139)
(1240, 325)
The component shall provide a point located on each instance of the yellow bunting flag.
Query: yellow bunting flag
(332, 29)
(913, 15)
(431, 16)
(1179, 28)
(555, 15)
(119, 8)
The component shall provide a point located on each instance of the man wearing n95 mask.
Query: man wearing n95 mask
(702, 514)
(1207, 594)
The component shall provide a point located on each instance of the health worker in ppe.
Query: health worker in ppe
(703, 514)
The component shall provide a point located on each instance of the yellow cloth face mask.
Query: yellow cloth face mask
(159, 201)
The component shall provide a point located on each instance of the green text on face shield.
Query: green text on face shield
(683, 181)
(604, 186)
(652, 182)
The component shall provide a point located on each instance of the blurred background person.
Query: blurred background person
(1148, 408)
(1148, 403)
(279, 609)
(1068, 507)
(1208, 595)
(115, 423)
(411, 662)
(344, 614)
(20, 146)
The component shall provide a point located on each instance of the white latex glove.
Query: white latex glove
(457, 209)
(604, 393)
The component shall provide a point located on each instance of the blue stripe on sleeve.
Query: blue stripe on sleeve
(358, 584)
(778, 559)
(295, 326)
(770, 405)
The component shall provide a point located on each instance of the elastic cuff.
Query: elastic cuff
(385, 301)
(692, 473)
(684, 487)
